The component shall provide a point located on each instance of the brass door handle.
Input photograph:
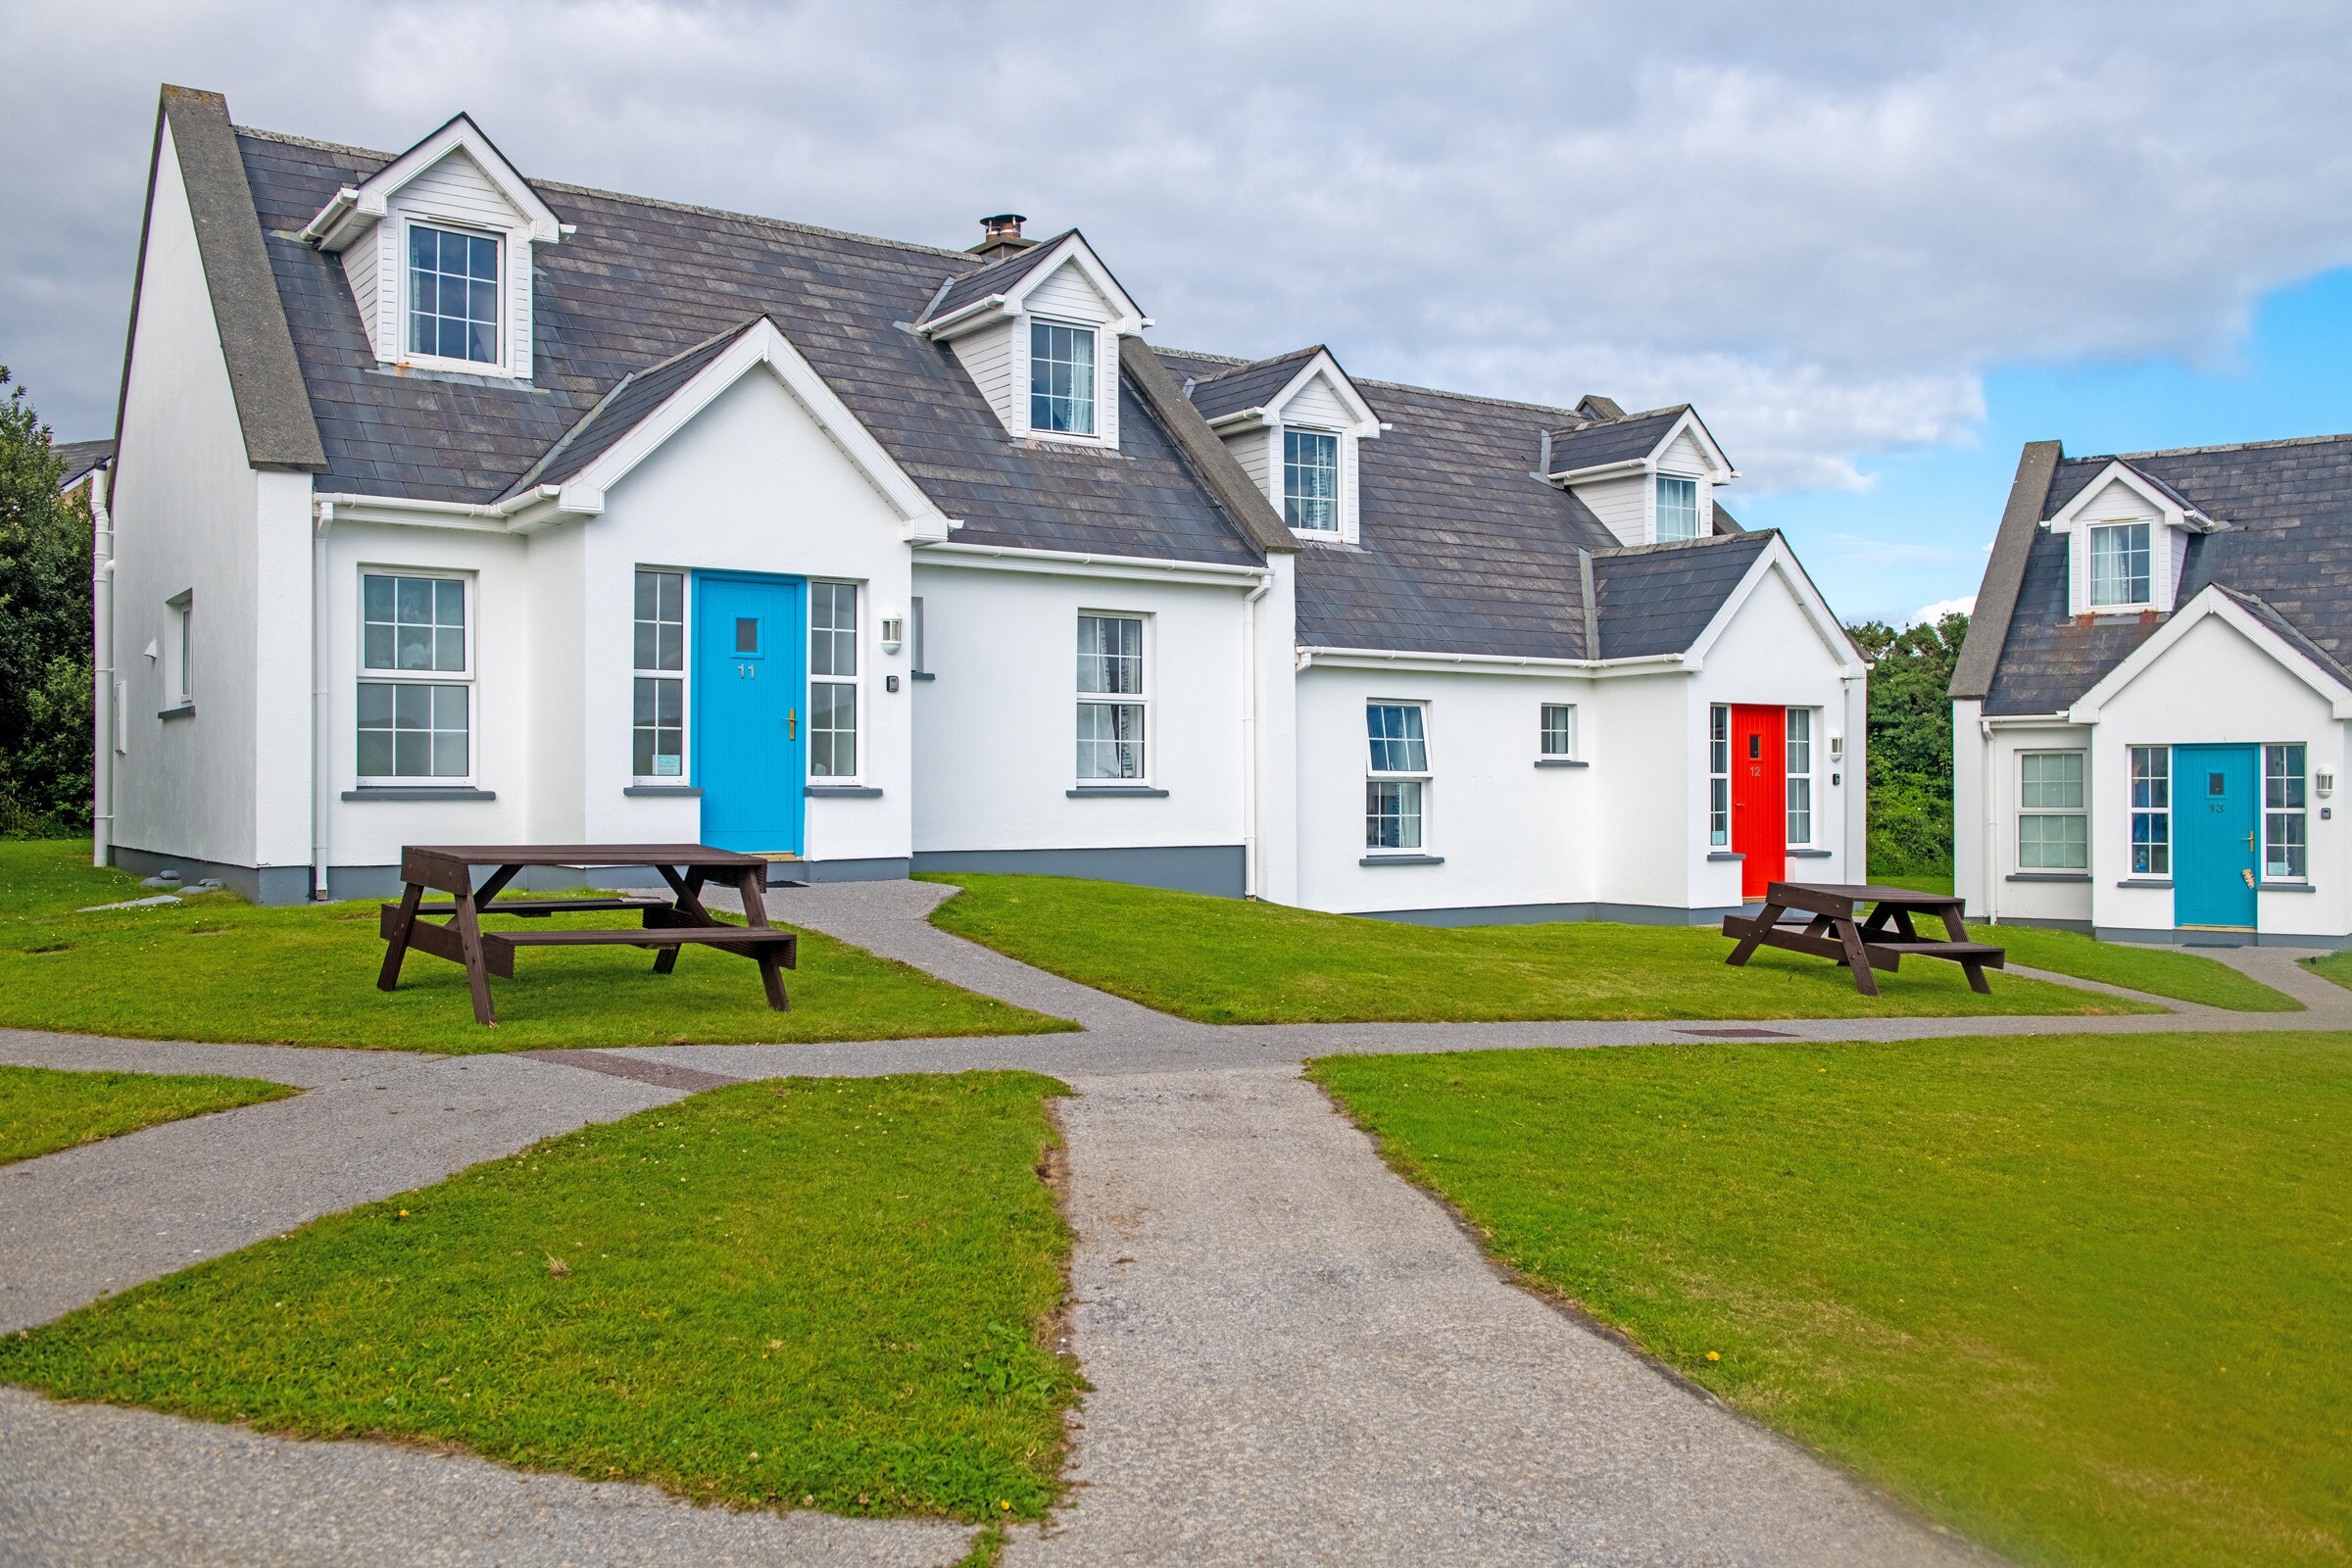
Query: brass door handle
(791, 724)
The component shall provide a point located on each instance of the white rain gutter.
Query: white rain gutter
(1253, 770)
(103, 697)
(488, 511)
(1015, 559)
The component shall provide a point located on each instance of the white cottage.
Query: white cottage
(457, 507)
(2149, 716)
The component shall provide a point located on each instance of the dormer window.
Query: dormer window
(2118, 565)
(453, 295)
(1062, 378)
(1310, 480)
(1678, 508)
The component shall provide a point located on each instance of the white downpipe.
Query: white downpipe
(323, 520)
(102, 674)
(1252, 766)
(1990, 861)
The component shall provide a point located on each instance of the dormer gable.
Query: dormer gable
(437, 248)
(1649, 478)
(1039, 331)
(2126, 536)
(1294, 423)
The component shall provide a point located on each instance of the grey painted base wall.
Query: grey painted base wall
(1545, 913)
(2163, 936)
(1212, 868)
(262, 884)
(291, 884)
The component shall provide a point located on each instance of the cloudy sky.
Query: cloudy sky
(1878, 245)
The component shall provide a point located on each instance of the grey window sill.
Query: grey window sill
(2048, 876)
(1561, 762)
(183, 711)
(406, 792)
(1809, 854)
(1402, 860)
(1129, 791)
(2145, 882)
(2287, 887)
(845, 792)
(661, 789)
(922, 674)
(1724, 855)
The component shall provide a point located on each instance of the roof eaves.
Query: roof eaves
(2005, 573)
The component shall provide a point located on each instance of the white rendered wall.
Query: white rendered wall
(191, 515)
(2214, 687)
(1970, 836)
(995, 734)
(2007, 897)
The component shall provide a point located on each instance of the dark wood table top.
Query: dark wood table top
(1860, 893)
(584, 854)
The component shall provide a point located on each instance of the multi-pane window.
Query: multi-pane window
(832, 680)
(2118, 565)
(416, 700)
(2052, 829)
(1397, 775)
(1061, 378)
(1559, 729)
(1719, 776)
(453, 295)
(2285, 854)
(2151, 811)
(1310, 480)
(1111, 701)
(1678, 508)
(184, 644)
(1801, 775)
(657, 724)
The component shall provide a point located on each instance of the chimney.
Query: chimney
(1001, 236)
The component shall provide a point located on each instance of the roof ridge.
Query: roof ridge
(2225, 446)
(568, 189)
(1239, 362)
(1306, 352)
(1613, 552)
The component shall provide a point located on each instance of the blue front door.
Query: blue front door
(2215, 863)
(751, 643)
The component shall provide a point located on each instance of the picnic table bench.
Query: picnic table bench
(666, 924)
(1835, 932)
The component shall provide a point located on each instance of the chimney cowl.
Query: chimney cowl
(1001, 236)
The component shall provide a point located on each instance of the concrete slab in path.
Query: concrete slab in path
(1299, 1358)
(84, 1484)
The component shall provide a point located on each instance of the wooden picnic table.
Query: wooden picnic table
(667, 923)
(1833, 932)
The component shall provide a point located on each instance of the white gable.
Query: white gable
(1067, 295)
(991, 336)
(2120, 494)
(1683, 455)
(1316, 404)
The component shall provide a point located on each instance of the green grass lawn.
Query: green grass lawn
(1940, 881)
(218, 968)
(2336, 966)
(2181, 975)
(2084, 1299)
(795, 1292)
(1223, 960)
(43, 1110)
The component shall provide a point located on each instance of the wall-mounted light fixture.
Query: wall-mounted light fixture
(893, 633)
(1836, 747)
(2324, 781)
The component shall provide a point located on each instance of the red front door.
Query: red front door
(1760, 795)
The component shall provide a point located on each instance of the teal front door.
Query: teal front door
(2219, 824)
(751, 645)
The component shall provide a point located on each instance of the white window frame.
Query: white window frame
(2150, 548)
(1658, 508)
(468, 584)
(1718, 776)
(405, 286)
(2292, 814)
(854, 681)
(179, 668)
(1544, 750)
(1282, 434)
(1421, 778)
(2080, 812)
(1140, 697)
(1028, 325)
(683, 675)
(2151, 771)
(1801, 781)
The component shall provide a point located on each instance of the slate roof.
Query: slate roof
(643, 280)
(1250, 385)
(2288, 547)
(1463, 550)
(1626, 440)
(994, 279)
(81, 456)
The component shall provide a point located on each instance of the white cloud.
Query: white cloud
(1929, 614)
(1820, 225)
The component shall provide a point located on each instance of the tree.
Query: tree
(1911, 742)
(45, 632)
